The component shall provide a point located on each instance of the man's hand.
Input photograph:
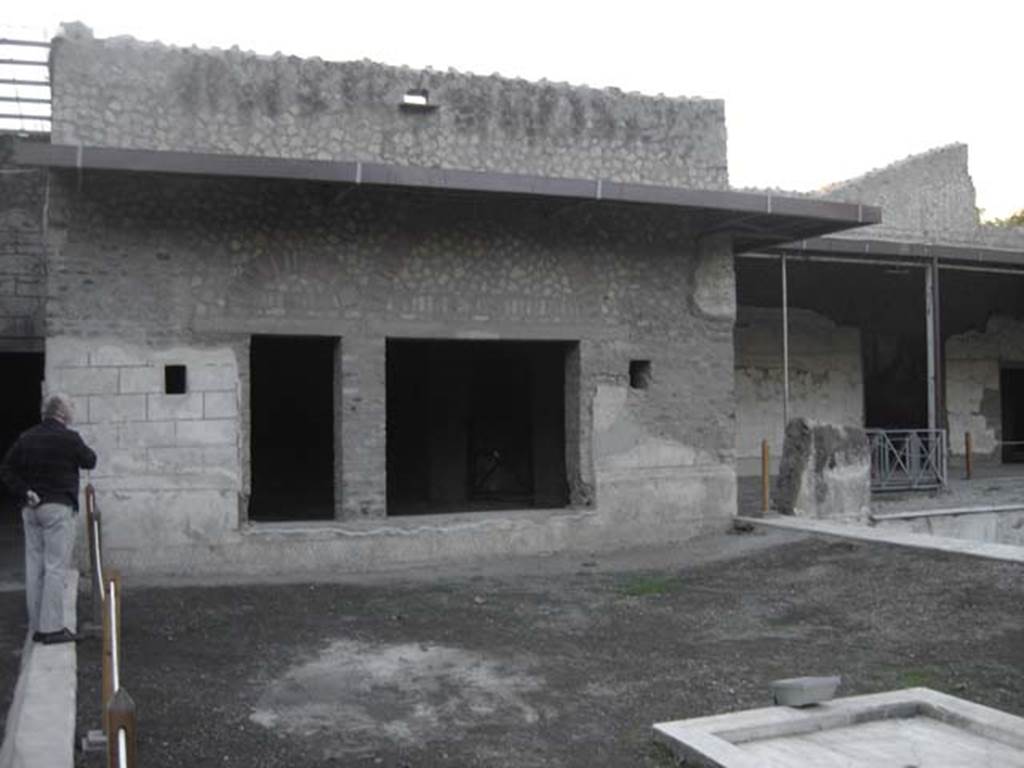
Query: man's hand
(33, 498)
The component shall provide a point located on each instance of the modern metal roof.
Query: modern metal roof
(754, 219)
(862, 249)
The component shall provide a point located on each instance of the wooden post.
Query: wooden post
(967, 454)
(95, 546)
(765, 478)
(120, 715)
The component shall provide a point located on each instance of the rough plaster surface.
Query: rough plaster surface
(407, 693)
(123, 93)
(825, 471)
(157, 271)
(826, 379)
(973, 361)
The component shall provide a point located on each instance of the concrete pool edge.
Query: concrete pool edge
(1005, 552)
(714, 739)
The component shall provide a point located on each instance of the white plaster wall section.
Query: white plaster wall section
(651, 488)
(973, 362)
(169, 465)
(714, 289)
(623, 445)
(826, 375)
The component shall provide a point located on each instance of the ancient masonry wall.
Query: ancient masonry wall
(22, 258)
(826, 376)
(927, 196)
(122, 93)
(973, 399)
(157, 271)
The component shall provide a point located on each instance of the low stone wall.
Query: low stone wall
(986, 527)
(825, 472)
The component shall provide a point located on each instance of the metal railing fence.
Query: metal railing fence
(907, 459)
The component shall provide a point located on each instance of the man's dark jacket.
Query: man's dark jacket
(46, 459)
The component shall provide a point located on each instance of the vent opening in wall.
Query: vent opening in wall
(175, 380)
(417, 100)
(639, 374)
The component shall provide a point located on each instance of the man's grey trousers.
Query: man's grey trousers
(49, 540)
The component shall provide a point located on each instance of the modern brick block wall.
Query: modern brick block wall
(155, 449)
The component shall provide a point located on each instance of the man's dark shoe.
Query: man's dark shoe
(38, 637)
(62, 636)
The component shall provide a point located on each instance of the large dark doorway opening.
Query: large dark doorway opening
(476, 425)
(292, 433)
(1011, 388)
(20, 399)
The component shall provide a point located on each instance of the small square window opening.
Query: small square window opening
(639, 374)
(175, 380)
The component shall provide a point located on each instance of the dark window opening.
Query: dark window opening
(20, 401)
(175, 380)
(476, 425)
(639, 374)
(1011, 387)
(292, 427)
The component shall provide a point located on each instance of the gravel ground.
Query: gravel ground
(547, 667)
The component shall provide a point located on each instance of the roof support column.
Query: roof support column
(931, 291)
(785, 346)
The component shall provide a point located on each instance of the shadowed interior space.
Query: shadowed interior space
(1011, 385)
(886, 304)
(20, 388)
(292, 411)
(476, 425)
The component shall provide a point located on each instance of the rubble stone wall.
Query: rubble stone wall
(123, 93)
(22, 257)
(152, 271)
(929, 197)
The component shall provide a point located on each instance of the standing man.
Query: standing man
(42, 469)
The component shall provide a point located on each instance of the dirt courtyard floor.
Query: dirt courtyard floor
(549, 662)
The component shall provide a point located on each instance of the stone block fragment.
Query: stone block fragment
(825, 471)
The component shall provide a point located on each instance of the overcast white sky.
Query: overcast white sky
(816, 91)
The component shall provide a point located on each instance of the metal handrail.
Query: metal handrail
(115, 630)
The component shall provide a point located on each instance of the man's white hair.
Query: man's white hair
(58, 406)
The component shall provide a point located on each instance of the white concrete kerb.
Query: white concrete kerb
(40, 728)
(1007, 552)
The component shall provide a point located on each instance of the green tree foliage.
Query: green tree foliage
(1013, 220)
